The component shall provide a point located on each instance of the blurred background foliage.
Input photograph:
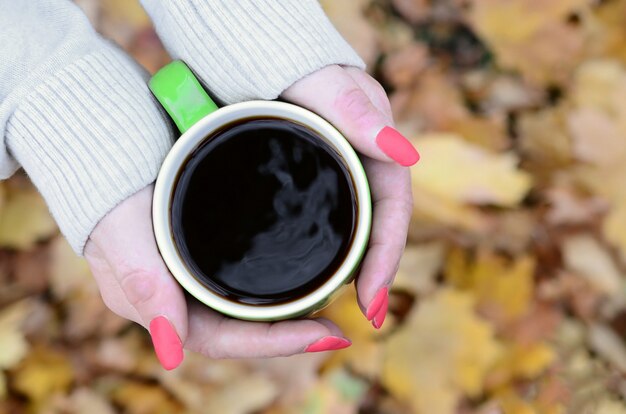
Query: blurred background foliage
(511, 296)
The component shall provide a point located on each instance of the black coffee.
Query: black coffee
(263, 212)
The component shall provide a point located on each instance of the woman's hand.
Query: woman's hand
(358, 106)
(136, 284)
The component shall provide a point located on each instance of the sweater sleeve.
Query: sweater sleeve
(250, 49)
(76, 113)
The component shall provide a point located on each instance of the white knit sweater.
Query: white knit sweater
(75, 111)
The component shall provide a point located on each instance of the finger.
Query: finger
(332, 93)
(217, 336)
(145, 281)
(372, 89)
(392, 202)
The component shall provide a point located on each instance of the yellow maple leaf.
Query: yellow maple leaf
(443, 351)
(531, 36)
(24, 219)
(519, 361)
(460, 172)
(12, 341)
(504, 288)
(138, 398)
(42, 373)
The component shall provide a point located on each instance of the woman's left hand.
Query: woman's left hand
(358, 106)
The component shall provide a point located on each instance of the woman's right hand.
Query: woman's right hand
(135, 283)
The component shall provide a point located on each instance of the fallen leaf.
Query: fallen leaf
(520, 362)
(86, 401)
(614, 227)
(349, 19)
(12, 342)
(258, 390)
(138, 398)
(531, 36)
(504, 290)
(567, 207)
(42, 373)
(586, 257)
(608, 345)
(443, 351)
(464, 173)
(419, 267)
(413, 10)
(364, 356)
(24, 219)
(68, 272)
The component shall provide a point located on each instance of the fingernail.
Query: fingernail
(379, 319)
(397, 147)
(167, 344)
(376, 303)
(328, 343)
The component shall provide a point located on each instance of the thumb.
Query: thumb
(333, 94)
(134, 281)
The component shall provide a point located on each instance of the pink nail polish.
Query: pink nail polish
(397, 147)
(328, 343)
(376, 303)
(379, 319)
(167, 344)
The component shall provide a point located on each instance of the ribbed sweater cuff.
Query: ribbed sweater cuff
(89, 137)
(250, 49)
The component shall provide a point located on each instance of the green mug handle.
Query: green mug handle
(182, 96)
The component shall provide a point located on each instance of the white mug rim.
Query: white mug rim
(166, 182)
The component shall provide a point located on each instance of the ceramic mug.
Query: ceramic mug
(198, 118)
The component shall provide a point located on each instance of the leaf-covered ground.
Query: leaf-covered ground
(511, 296)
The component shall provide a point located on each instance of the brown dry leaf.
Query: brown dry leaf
(544, 141)
(419, 267)
(42, 373)
(68, 272)
(567, 207)
(442, 352)
(413, 10)
(462, 173)
(608, 345)
(589, 259)
(484, 132)
(138, 398)
(433, 103)
(349, 19)
(531, 36)
(402, 68)
(24, 219)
